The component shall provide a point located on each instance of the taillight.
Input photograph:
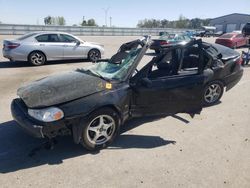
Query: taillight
(12, 45)
(239, 61)
(163, 42)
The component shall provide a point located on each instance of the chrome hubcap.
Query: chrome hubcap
(212, 93)
(37, 58)
(101, 129)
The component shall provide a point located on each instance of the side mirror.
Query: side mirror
(219, 56)
(78, 43)
(146, 82)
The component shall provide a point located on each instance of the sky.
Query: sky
(124, 13)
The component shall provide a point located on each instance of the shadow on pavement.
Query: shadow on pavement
(16, 146)
(10, 64)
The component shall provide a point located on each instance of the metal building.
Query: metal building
(230, 22)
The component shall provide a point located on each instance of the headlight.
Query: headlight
(46, 114)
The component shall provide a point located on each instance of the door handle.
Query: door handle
(41, 44)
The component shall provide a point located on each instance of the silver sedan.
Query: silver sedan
(39, 47)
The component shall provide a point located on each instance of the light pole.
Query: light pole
(106, 13)
(110, 21)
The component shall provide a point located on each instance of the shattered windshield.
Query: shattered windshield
(117, 67)
(166, 37)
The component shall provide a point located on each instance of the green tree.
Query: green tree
(91, 22)
(47, 20)
(61, 20)
(206, 22)
(51, 20)
(195, 23)
(84, 22)
(182, 22)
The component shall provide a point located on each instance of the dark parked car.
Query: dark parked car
(218, 33)
(169, 40)
(163, 33)
(246, 29)
(232, 40)
(92, 104)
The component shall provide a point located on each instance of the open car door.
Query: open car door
(177, 88)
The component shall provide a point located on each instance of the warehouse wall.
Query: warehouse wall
(230, 22)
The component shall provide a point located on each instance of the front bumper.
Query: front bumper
(34, 127)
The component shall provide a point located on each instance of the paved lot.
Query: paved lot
(210, 150)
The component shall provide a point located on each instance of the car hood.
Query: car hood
(60, 88)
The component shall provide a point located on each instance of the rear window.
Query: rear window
(225, 52)
(227, 36)
(26, 36)
(48, 38)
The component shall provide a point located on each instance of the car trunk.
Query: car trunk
(10, 44)
(159, 42)
(224, 42)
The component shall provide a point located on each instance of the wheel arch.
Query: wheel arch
(111, 106)
(77, 128)
(37, 51)
(217, 80)
(94, 48)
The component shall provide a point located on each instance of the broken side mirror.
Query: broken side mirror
(219, 56)
(146, 82)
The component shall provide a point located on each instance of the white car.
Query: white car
(39, 47)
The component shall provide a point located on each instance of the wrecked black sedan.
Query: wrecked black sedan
(91, 104)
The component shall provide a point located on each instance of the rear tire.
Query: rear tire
(37, 58)
(94, 55)
(212, 93)
(101, 129)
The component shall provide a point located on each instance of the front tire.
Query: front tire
(212, 93)
(101, 129)
(37, 58)
(94, 55)
(157, 51)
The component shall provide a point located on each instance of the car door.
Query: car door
(170, 94)
(50, 45)
(72, 48)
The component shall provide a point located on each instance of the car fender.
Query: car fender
(117, 97)
(36, 50)
(78, 111)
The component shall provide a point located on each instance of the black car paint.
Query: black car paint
(60, 88)
(129, 97)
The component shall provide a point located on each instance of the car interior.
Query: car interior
(180, 61)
